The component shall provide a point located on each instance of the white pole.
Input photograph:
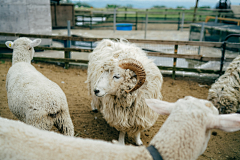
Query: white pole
(69, 34)
(216, 19)
(182, 21)
(114, 20)
(201, 36)
(146, 22)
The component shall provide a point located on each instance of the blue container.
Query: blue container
(124, 26)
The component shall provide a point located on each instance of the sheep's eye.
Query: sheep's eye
(30, 48)
(116, 76)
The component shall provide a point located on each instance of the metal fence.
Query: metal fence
(178, 19)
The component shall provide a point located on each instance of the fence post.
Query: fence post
(125, 13)
(83, 19)
(146, 22)
(114, 20)
(136, 20)
(178, 21)
(223, 57)
(216, 19)
(67, 44)
(69, 34)
(201, 36)
(91, 21)
(200, 18)
(174, 61)
(165, 17)
(182, 21)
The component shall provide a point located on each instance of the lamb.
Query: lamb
(120, 77)
(225, 92)
(33, 98)
(184, 135)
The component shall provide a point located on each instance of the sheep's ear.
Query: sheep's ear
(161, 107)
(226, 122)
(35, 42)
(9, 44)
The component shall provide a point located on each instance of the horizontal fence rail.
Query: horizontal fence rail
(80, 38)
(156, 54)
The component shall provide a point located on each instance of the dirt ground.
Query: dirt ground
(87, 124)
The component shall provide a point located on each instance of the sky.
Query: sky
(150, 3)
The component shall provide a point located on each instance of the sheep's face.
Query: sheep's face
(109, 82)
(199, 111)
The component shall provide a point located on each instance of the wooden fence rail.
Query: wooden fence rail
(80, 38)
(156, 54)
(66, 60)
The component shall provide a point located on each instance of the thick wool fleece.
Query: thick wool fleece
(126, 112)
(225, 92)
(22, 141)
(33, 98)
(36, 100)
(184, 135)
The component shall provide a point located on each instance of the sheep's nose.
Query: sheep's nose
(96, 91)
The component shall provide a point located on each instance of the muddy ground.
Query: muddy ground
(87, 124)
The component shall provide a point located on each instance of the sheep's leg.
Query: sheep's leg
(138, 140)
(94, 109)
(121, 138)
(64, 123)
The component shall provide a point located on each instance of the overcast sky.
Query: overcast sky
(150, 3)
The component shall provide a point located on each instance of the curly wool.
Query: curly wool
(22, 141)
(126, 112)
(225, 92)
(184, 135)
(33, 98)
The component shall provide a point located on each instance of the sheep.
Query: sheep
(116, 72)
(184, 135)
(225, 92)
(33, 98)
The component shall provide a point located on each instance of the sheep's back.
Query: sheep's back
(29, 89)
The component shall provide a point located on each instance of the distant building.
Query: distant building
(28, 16)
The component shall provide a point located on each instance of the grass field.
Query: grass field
(156, 13)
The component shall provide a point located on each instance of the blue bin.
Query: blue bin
(124, 26)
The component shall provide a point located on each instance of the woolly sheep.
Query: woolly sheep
(184, 135)
(225, 92)
(33, 98)
(109, 85)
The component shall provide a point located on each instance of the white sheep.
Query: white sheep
(116, 72)
(225, 92)
(33, 98)
(184, 135)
